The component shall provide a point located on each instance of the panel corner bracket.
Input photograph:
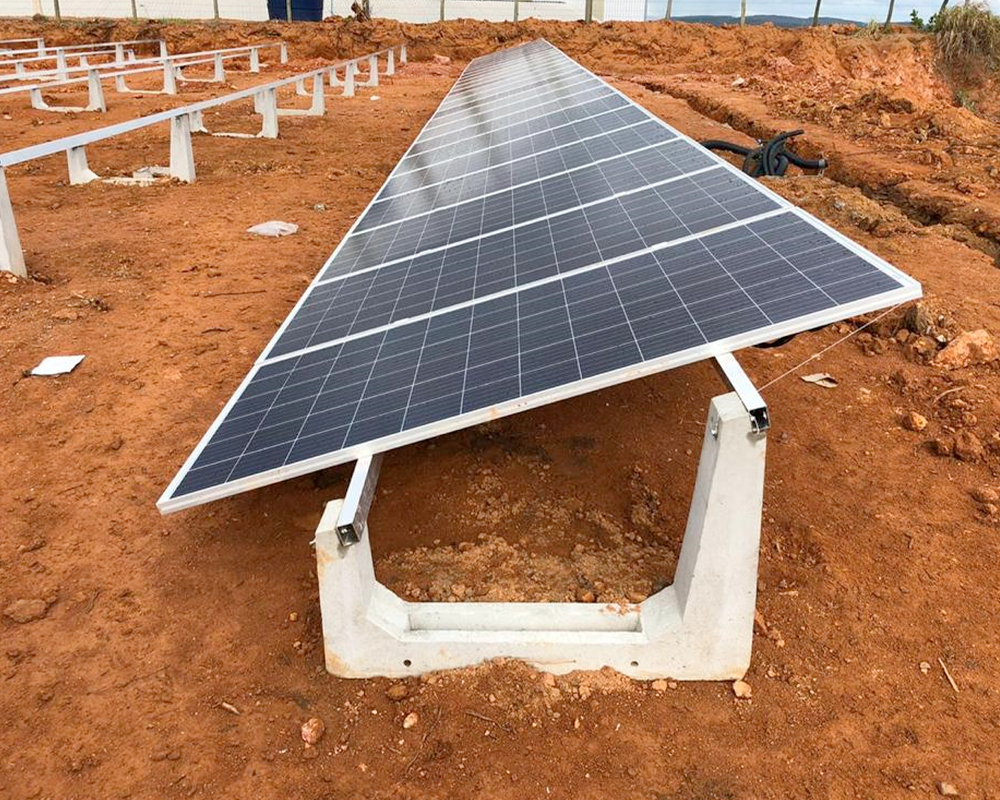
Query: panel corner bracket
(737, 380)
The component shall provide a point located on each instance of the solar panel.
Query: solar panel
(544, 236)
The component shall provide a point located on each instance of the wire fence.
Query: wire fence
(422, 11)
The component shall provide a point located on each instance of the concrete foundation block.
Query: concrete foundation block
(181, 151)
(79, 170)
(11, 254)
(349, 72)
(699, 628)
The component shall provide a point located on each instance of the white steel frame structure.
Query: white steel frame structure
(81, 53)
(171, 67)
(183, 121)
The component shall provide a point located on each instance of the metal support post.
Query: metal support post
(353, 518)
(732, 373)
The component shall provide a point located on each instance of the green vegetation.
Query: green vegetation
(873, 30)
(968, 37)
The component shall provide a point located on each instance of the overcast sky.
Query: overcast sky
(845, 9)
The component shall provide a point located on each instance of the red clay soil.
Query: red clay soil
(179, 656)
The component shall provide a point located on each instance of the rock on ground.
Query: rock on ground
(966, 349)
(22, 611)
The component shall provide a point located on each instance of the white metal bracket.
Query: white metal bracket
(699, 628)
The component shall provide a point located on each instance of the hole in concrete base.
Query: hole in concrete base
(635, 663)
(407, 662)
(580, 501)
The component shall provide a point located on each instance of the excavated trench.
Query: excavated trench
(924, 204)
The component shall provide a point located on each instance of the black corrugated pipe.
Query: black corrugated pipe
(768, 158)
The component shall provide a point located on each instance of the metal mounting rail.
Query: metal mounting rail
(89, 137)
(183, 121)
(63, 76)
(71, 49)
(732, 373)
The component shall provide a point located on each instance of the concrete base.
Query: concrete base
(11, 255)
(318, 106)
(700, 628)
(79, 171)
(181, 152)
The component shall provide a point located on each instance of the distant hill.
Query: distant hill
(778, 20)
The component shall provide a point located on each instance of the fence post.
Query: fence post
(373, 69)
(390, 63)
(254, 60)
(402, 54)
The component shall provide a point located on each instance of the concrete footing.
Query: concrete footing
(349, 72)
(318, 106)
(181, 151)
(11, 255)
(79, 171)
(95, 97)
(699, 628)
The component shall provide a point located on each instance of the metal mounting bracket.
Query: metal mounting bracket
(737, 380)
(353, 518)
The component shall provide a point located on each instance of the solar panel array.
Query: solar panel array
(543, 236)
